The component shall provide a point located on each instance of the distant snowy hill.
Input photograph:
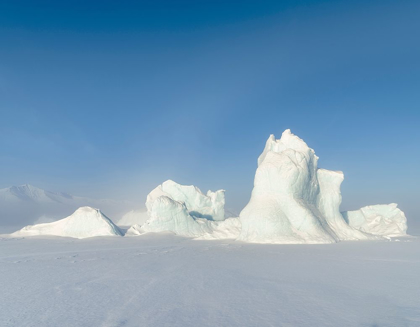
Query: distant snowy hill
(29, 193)
(28, 204)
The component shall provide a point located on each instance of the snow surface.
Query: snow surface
(164, 280)
(293, 201)
(381, 219)
(84, 222)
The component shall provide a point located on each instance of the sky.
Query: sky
(109, 99)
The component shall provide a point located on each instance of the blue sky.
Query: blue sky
(109, 99)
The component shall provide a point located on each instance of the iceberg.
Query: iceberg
(382, 219)
(292, 200)
(183, 210)
(167, 214)
(83, 223)
(199, 205)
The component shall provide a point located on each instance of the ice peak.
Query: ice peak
(287, 131)
(287, 141)
(293, 141)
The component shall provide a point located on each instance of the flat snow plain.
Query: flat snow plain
(166, 280)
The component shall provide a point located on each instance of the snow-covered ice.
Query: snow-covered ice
(84, 222)
(381, 219)
(165, 280)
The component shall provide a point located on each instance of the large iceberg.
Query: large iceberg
(84, 222)
(382, 219)
(293, 201)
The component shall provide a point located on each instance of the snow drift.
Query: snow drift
(84, 222)
(293, 201)
(382, 219)
(229, 228)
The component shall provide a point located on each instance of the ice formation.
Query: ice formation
(382, 219)
(293, 201)
(183, 210)
(84, 222)
(167, 214)
(199, 205)
(328, 203)
(186, 225)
